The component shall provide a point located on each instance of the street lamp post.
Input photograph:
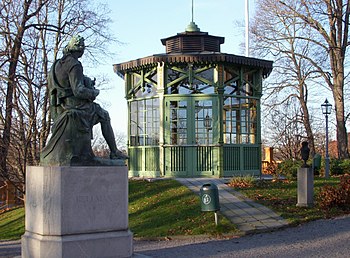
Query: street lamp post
(326, 110)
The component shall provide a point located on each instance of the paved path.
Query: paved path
(322, 238)
(246, 214)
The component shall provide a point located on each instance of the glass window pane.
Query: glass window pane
(178, 122)
(204, 122)
(240, 120)
(144, 122)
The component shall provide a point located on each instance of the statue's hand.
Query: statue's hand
(96, 92)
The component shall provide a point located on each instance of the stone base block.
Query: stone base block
(76, 212)
(305, 187)
(76, 200)
(97, 245)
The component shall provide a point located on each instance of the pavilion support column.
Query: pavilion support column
(258, 82)
(219, 80)
(161, 73)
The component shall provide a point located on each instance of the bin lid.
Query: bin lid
(209, 186)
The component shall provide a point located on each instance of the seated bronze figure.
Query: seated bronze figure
(74, 113)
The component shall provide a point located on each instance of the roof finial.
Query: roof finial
(192, 27)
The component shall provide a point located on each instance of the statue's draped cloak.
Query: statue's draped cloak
(73, 112)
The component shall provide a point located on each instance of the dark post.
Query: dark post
(326, 110)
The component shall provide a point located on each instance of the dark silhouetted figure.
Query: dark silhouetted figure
(305, 151)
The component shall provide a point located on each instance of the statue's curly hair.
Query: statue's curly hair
(75, 44)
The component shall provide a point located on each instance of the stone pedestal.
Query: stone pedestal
(75, 212)
(305, 187)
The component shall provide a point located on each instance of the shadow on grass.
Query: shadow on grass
(165, 208)
(282, 198)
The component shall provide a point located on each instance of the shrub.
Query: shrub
(242, 182)
(336, 196)
(344, 167)
(335, 167)
(289, 168)
(271, 169)
(339, 166)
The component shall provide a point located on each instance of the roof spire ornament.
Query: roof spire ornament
(192, 27)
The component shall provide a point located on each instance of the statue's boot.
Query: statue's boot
(118, 155)
(108, 134)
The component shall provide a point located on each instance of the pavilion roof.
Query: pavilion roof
(193, 57)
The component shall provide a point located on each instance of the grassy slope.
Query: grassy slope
(166, 208)
(158, 209)
(12, 224)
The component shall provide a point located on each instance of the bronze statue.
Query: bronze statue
(74, 114)
(305, 151)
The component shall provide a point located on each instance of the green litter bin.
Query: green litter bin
(317, 161)
(209, 195)
(316, 164)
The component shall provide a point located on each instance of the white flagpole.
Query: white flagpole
(247, 27)
(192, 10)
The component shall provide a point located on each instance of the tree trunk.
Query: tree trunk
(6, 136)
(308, 129)
(337, 57)
(339, 113)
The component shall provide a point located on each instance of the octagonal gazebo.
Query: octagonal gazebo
(194, 111)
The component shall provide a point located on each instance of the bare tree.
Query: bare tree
(285, 129)
(15, 23)
(33, 36)
(329, 20)
(278, 35)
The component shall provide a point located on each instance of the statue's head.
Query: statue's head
(305, 144)
(76, 44)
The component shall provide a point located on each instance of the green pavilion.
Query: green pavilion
(194, 111)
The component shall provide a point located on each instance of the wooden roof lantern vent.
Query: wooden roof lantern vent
(192, 40)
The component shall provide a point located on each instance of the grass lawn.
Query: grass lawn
(281, 196)
(161, 208)
(12, 224)
(166, 208)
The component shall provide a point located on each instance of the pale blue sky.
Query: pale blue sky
(140, 24)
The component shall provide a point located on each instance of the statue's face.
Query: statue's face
(81, 47)
(78, 53)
